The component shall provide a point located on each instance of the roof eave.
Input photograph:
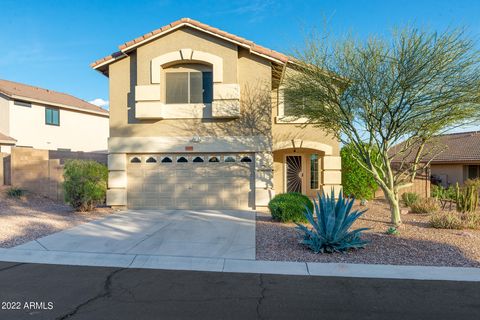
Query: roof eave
(60, 105)
(125, 49)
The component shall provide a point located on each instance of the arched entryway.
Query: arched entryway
(305, 166)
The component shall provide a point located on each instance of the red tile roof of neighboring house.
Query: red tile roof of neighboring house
(26, 92)
(254, 48)
(6, 140)
(450, 148)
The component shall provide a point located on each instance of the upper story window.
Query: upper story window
(288, 110)
(185, 85)
(52, 116)
(22, 104)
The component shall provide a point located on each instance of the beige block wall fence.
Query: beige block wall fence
(41, 171)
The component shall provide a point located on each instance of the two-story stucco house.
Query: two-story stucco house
(197, 121)
(46, 119)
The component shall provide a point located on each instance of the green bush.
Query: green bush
(409, 198)
(356, 181)
(85, 184)
(425, 205)
(14, 192)
(289, 207)
(331, 222)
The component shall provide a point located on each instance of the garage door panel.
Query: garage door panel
(191, 185)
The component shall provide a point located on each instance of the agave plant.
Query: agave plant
(331, 221)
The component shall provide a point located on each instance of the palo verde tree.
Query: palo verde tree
(387, 98)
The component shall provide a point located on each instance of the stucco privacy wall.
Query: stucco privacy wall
(41, 171)
(2, 177)
(77, 131)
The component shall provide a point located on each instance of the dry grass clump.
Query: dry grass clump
(455, 220)
(425, 205)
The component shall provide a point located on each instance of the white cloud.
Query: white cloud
(100, 102)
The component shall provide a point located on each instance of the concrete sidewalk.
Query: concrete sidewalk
(241, 266)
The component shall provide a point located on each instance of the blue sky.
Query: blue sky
(51, 43)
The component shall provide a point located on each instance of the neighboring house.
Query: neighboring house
(45, 119)
(460, 159)
(197, 121)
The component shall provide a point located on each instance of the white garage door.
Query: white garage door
(190, 181)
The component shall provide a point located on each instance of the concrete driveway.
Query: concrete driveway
(186, 233)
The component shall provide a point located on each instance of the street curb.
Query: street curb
(242, 266)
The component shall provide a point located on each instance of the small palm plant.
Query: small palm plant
(331, 221)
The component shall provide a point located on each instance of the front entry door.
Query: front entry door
(294, 173)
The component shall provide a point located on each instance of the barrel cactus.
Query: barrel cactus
(330, 222)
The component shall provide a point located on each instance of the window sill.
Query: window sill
(158, 110)
(290, 120)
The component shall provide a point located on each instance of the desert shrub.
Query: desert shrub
(440, 192)
(467, 198)
(472, 182)
(425, 205)
(410, 198)
(471, 220)
(330, 225)
(14, 192)
(356, 181)
(85, 184)
(446, 220)
(454, 220)
(289, 207)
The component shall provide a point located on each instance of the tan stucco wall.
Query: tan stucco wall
(258, 104)
(239, 67)
(298, 131)
(279, 169)
(191, 39)
(454, 172)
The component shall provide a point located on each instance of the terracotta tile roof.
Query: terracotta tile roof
(254, 48)
(451, 148)
(6, 140)
(30, 93)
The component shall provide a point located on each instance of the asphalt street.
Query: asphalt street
(39, 291)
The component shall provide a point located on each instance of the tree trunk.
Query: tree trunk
(394, 202)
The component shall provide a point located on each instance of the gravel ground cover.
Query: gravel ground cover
(33, 216)
(416, 243)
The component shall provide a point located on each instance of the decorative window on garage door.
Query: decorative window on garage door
(182, 159)
(229, 158)
(151, 160)
(166, 160)
(135, 160)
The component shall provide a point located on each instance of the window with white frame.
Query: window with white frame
(188, 85)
